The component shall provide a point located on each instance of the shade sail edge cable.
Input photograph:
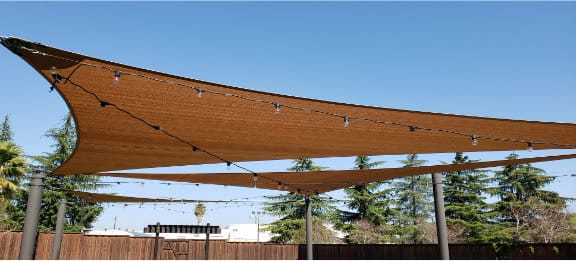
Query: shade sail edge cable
(314, 182)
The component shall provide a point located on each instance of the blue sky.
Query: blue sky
(512, 60)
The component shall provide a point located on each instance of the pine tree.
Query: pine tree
(520, 192)
(292, 210)
(413, 205)
(464, 195)
(366, 201)
(6, 133)
(80, 214)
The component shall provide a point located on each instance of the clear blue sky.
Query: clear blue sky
(495, 59)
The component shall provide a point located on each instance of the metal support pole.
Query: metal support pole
(156, 238)
(30, 233)
(59, 230)
(207, 244)
(309, 250)
(441, 229)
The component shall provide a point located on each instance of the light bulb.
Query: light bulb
(279, 187)
(228, 165)
(117, 77)
(55, 75)
(530, 148)
(277, 108)
(200, 92)
(474, 140)
(346, 121)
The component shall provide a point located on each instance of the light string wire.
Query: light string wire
(158, 128)
(277, 105)
(58, 79)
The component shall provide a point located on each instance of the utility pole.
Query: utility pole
(257, 220)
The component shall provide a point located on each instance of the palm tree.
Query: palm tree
(12, 166)
(199, 212)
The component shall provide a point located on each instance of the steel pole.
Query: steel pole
(309, 250)
(156, 239)
(59, 230)
(29, 235)
(441, 229)
(207, 244)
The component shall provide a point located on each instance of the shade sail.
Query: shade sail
(314, 182)
(100, 198)
(150, 119)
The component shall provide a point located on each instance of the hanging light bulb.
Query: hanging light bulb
(530, 148)
(474, 140)
(255, 179)
(228, 165)
(277, 108)
(279, 187)
(200, 92)
(412, 129)
(116, 77)
(55, 75)
(346, 121)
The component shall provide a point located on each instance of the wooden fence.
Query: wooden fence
(79, 246)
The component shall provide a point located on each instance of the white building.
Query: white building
(234, 233)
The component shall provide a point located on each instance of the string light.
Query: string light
(200, 91)
(54, 72)
(228, 165)
(58, 78)
(530, 148)
(474, 140)
(277, 108)
(116, 77)
(412, 129)
(279, 187)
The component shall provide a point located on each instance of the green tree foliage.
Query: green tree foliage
(80, 214)
(199, 212)
(520, 190)
(464, 196)
(292, 211)
(6, 132)
(413, 205)
(365, 199)
(12, 171)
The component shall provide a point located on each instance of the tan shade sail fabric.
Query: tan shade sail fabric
(130, 118)
(100, 198)
(314, 182)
